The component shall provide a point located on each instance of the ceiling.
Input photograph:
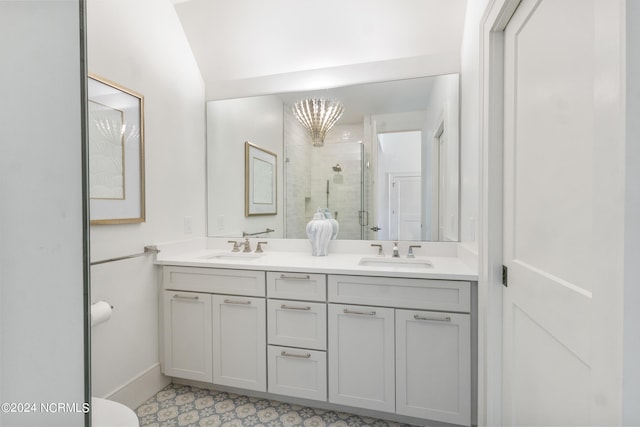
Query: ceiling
(252, 47)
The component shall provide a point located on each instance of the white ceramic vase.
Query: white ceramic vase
(334, 223)
(319, 232)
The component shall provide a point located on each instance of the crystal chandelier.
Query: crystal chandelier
(318, 116)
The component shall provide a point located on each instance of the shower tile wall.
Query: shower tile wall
(313, 167)
(297, 168)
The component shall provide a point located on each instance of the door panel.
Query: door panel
(406, 205)
(548, 212)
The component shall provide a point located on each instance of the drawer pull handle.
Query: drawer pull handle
(437, 319)
(177, 296)
(300, 356)
(294, 277)
(290, 307)
(364, 313)
(232, 301)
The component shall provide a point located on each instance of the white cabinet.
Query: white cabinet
(297, 334)
(219, 339)
(239, 342)
(396, 358)
(433, 366)
(297, 372)
(397, 345)
(187, 335)
(361, 357)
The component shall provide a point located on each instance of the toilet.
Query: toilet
(107, 413)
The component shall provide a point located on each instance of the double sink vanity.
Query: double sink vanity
(391, 337)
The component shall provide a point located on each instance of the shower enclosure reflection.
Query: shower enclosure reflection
(313, 180)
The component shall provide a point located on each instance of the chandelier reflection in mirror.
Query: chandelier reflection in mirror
(318, 115)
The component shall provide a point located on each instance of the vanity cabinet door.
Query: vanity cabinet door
(361, 356)
(433, 366)
(239, 342)
(187, 349)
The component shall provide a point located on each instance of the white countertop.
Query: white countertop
(443, 267)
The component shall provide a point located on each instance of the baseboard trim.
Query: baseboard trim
(140, 388)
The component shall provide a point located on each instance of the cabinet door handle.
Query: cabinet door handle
(177, 296)
(294, 277)
(437, 319)
(300, 356)
(233, 301)
(290, 307)
(363, 313)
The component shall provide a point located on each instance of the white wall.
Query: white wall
(140, 44)
(280, 46)
(41, 211)
(444, 106)
(229, 124)
(470, 124)
(631, 355)
(297, 177)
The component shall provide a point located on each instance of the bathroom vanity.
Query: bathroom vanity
(394, 340)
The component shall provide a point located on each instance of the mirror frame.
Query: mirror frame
(130, 207)
(258, 184)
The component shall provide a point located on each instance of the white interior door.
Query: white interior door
(555, 321)
(405, 207)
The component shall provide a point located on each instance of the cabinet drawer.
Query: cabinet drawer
(298, 373)
(446, 295)
(300, 286)
(297, 324)
(215, 280)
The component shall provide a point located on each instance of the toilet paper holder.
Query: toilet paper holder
(100, 312)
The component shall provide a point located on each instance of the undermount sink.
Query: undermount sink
(395, 262)
(233, 256)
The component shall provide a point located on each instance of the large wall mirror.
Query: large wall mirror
(388, 170)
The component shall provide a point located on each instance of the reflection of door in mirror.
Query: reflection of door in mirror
(399, 182)
(446, 164)
(405, 222)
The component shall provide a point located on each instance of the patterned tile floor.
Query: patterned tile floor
(186, 406)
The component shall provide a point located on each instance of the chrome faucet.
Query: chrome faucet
(247, 246)
(410, 253)
(396, 253)
(379, 246)
(236, 245)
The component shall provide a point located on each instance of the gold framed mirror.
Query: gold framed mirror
(116, 153)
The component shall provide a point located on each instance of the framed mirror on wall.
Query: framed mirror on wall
(388, 169)
(116, 153)
(261, 187)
